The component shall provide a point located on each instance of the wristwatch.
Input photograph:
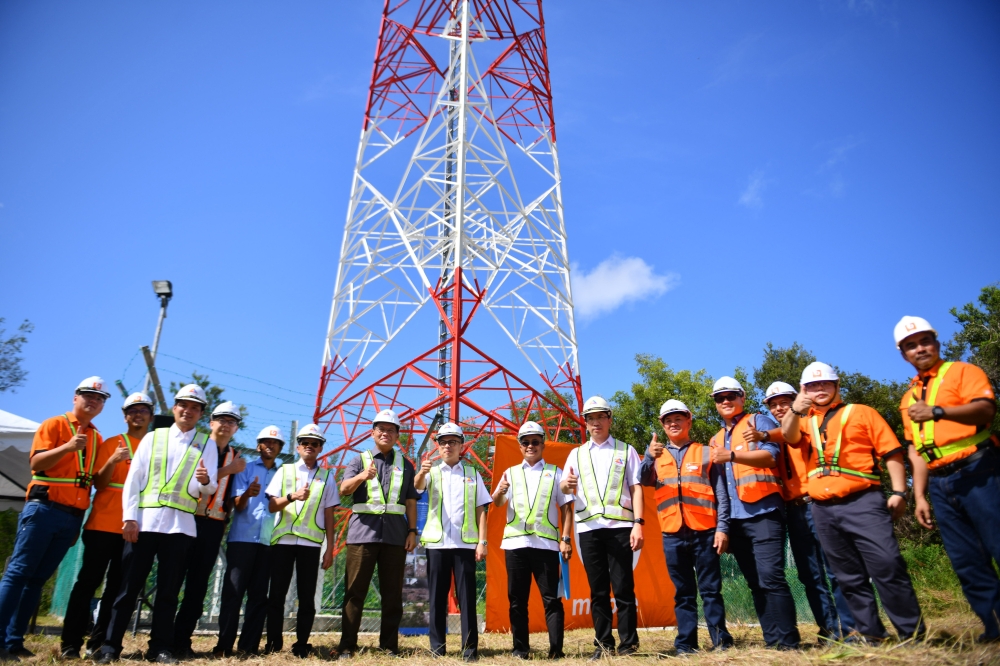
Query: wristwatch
(938, 412)
(899, 493)
(412, 530)
(766, 436)
(640, 521)
(567, 540)
(289, 497)
(482, 543)
(798, 414)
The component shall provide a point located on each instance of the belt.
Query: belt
(951, 468)
(846, 498)
(805, 499)
(71, 510)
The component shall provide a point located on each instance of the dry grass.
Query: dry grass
(951, 642)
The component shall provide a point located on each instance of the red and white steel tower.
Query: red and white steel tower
(460, 100)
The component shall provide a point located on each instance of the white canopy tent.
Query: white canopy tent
(16, 434)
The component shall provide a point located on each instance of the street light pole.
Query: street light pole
(165, 291)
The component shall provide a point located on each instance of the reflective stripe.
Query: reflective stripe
(834, 468)
(686, 499)
(377, 503)
(747, 479)
(171, 493)
(434, 527)
(80, 461)
(301, 522)
(609, 506)
(531, 517)
(923, 433)
(214, 506)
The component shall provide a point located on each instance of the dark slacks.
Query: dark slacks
(442, 563)
(607, 559)
(830, 611)
(361, 561)
(758, 544)
(197, 570)
(544, 566)
(966, 505)
(102, 553)
(693, 566)
(859, 543)
(305, 561)
(248, 572)
(170, 552)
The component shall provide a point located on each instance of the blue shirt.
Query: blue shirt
(647, 476)
(738, 509)
(255, 523)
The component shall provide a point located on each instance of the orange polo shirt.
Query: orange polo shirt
(106, 516)
(51, 434)
(866, 436)
(962, 384)
(794, 466)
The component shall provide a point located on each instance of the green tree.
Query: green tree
(12, 374)
(213, 394)
(782, 364)
(979, 340)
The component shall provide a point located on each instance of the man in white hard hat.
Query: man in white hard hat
(382, 530)
(248, 553)
(852, 517)
(832, 614)
(947, 413)
(693, 510)
(210, 520)
(539, 530)
(63, 456)
(171, 470)
(603, 474)
(757, 520)
(304, 495)
(454, 537)
(102, 533)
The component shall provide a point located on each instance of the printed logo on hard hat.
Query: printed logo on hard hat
(911, 326)
(273, 432)
(97, 385)
(818, 372)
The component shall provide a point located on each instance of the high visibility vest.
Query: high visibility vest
(923, 433)
(434, 527)
(531, 516)
(610, 504)
(752, 483)
(832, 467)
(172, 493)
(131, 454)
(684, 495)
(214, 506)
(377, 502)
(301, 523)
(86, 473)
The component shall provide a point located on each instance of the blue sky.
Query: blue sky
(788, 171)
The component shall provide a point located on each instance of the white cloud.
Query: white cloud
(616, 281)
(752, 196)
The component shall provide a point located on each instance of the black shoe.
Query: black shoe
(302, 651)
(164, 657)
(22, 653)
(69, 653)
(599, 654)
(552, 655)
(627, 650)
(519, 655)
(6, 656)
(270, 648)
(106, 655)
(346, 654)
(984, 638)
(470, 657)
(222, 653)
(721, 647)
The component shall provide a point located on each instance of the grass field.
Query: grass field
(951, 641)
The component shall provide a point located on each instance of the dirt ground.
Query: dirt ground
(951, 641)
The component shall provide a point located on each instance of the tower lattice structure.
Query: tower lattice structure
(456, 204)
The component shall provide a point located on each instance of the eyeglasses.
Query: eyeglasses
(134, 411)
(449, 442)
(87, 395)
(724, 397)
(525, 445)
(595, 418)
(231, 423)
(384, 428)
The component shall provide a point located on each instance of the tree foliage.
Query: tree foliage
(213, 394)
(12, 374)
(782, 364)
(979, 340)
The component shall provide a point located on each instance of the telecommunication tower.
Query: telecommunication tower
(460, 99)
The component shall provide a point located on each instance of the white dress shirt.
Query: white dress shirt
(453, 505)
(532, 476)
(601, 455)
(303, 476)
(166, 520)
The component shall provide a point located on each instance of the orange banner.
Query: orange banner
(653, 589)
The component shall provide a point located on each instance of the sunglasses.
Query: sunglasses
(723, 397)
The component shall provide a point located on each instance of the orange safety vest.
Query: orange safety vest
(214, 507)
(752, 483)
(685, 496)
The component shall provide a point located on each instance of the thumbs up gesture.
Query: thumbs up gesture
(201, 473)
(238, 464)
(425, 466)
(371, 471)
(302, 494)
(720, 454)
(751, 434)
(655, 448)
(120, 454)
(78, 442)
(569, 483)
(802, 402)
(503, 486)
(920, 412)
(254, 488)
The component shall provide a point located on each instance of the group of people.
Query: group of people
(808, 470)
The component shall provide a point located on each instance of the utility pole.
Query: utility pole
(164, 290)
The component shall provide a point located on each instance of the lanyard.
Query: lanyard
(79, 454)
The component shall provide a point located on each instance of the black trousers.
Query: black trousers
(305, 560)
(197, 570)
(361, 561)
(607, 559)
(248, 571)
(102, 553)
(170, 551)
(543, 565)
(441, 564)
(859, 543)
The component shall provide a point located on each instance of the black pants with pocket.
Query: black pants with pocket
(305, 561)
(607, 559)
(197, 570)
(543, 565)
(102, 553)
(248, 572)
(442, 564)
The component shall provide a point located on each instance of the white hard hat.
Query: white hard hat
(671, 406)
(227, 408)
(386, 416)
(727, 385)
(819, 372)
(530, 428)
(310, 431)
(93, 385)
(192, 392)
(451, 430)
(272, 432)
(138, 399)
(779, 388)
(908, 326)
(596, 404)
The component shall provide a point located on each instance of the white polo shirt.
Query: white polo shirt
(601, 455)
